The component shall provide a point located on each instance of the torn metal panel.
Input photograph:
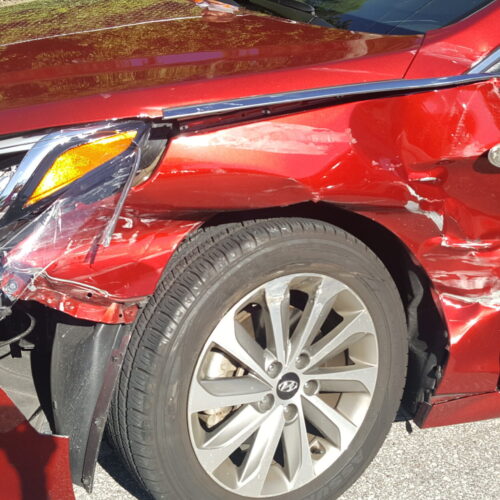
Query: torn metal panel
(119, 277)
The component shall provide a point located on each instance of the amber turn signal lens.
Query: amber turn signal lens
(80, 160)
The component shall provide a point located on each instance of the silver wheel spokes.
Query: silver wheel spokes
(282, 385)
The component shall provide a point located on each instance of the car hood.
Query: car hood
(98, 61)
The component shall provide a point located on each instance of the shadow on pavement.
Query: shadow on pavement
(113, 465)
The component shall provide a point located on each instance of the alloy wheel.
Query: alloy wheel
(282, 385)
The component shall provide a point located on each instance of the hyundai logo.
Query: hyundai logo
(288, 386)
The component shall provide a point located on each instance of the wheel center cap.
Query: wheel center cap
(288, 386)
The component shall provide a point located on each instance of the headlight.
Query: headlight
(103, 158)
(61, 194)
(80, 160)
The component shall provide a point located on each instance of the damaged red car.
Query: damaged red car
(241, 240)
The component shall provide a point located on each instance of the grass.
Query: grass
(22, 20)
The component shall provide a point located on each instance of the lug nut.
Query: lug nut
(274, 369)
(290, 412)
(311, 387)
(317, 447)
(266, 403)
(302, 361)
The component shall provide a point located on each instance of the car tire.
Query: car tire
(311, 442)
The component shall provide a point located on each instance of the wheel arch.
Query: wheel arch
(427, 331)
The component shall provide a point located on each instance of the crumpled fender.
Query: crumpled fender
(111, 287)
(431, 186)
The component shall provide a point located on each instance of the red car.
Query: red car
(243, 244)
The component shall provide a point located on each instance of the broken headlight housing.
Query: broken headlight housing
(38, 169)
(62, 192)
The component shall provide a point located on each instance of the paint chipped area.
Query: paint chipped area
(463, 56)
(472, 273)
(273, 137)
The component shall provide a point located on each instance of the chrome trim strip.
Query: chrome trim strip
(486, 63)
(343, 91)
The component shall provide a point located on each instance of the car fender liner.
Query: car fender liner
(86, 361)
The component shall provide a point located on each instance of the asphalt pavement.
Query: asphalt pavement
(460, 462)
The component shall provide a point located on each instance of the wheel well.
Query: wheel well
(426, 328)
